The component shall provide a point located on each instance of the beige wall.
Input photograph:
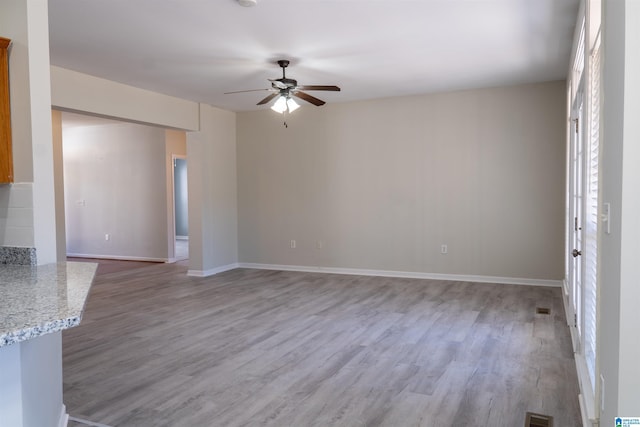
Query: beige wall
(74, 91)
(383, 184)
(115, 183)
(213, 212)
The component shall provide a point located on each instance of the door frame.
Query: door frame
(576, 211)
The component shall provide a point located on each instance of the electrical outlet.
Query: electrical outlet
(319, 244)
(107, 237)
(293, 244)
(443, 249)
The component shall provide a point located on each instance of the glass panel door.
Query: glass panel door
(577, 211)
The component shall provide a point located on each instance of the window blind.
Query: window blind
(579, 61)
(592, 219)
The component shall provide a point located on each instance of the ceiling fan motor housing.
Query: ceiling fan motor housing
(289, 83)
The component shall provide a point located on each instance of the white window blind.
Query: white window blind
(578, 62)
(592, 217)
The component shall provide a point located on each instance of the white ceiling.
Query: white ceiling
(199, 49)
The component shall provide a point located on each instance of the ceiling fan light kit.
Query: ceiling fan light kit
(284, 89)
(283, 104)
(280, 106)
(292, 105)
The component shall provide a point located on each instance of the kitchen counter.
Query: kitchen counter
(36, 304)
(39, 300)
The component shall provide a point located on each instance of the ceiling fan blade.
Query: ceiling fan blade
(319, 87)
(312, 99)
(242, 91)
(267, 99)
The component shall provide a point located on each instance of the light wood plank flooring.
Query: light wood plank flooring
(265, 348)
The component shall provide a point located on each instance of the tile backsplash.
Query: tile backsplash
(16, 215)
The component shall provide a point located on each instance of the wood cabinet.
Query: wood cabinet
(6, 156)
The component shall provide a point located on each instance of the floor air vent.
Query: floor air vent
(537, 420)
(543, 310)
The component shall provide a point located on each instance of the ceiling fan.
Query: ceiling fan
(284, 89)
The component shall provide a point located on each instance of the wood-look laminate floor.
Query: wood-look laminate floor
(106, 266)
(266, 348)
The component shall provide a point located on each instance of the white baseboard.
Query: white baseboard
(211, 272)
(406, 274)
(382, 273)
(118, 257)
(175, 259)
(63, 419)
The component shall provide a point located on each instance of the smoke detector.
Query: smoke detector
(247, 3)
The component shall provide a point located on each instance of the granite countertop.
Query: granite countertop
(38, 300)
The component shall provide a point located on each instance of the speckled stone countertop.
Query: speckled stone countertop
(38, 300)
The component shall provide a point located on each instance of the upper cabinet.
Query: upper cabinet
(6, 156)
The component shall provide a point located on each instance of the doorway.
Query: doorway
(181, 208)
